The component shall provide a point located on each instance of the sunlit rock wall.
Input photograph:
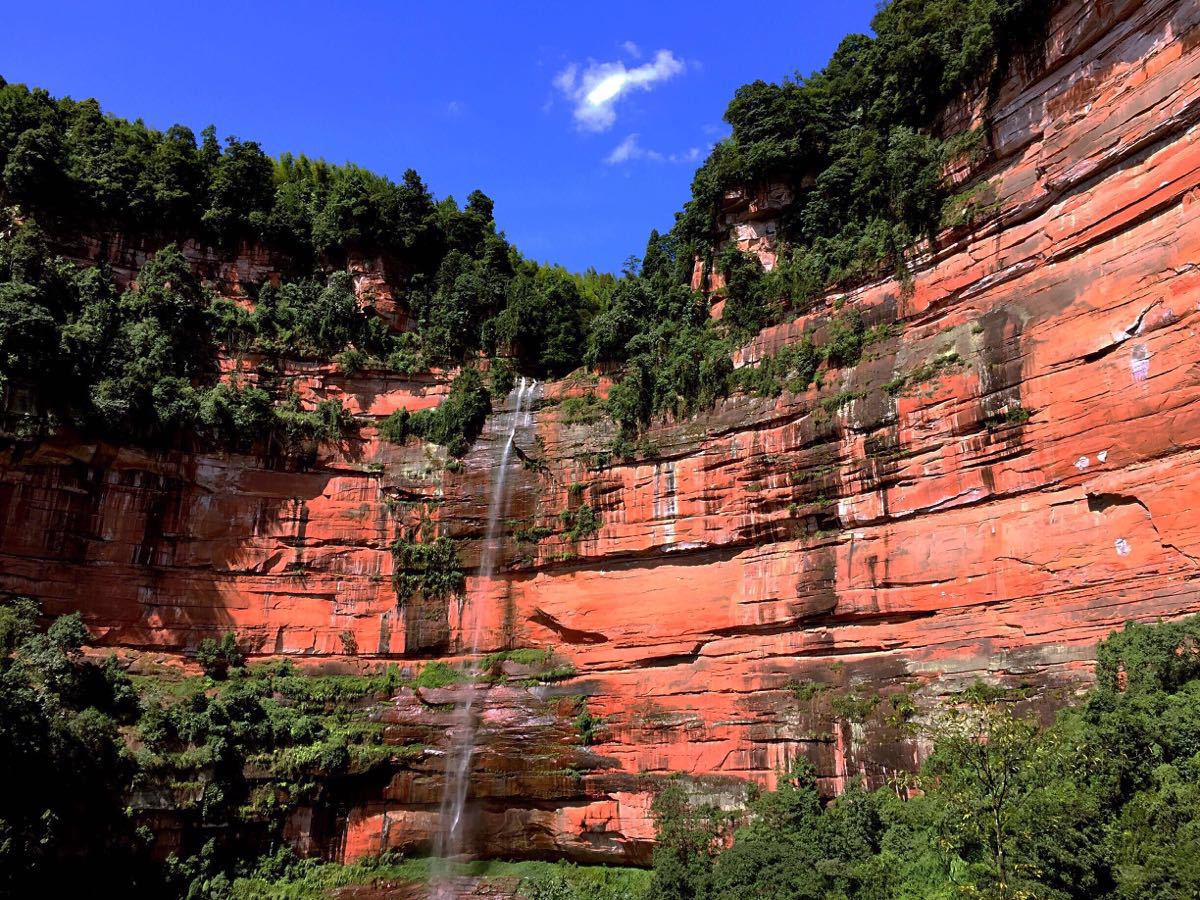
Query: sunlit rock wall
(1010, 473)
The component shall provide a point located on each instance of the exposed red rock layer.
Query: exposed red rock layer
(1009, 474)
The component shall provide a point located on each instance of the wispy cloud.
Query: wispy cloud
(630, 150)
(632, 49)
(596, 88)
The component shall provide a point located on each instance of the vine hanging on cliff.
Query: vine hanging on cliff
(431, 568)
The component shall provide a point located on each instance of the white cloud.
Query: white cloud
(596, 90)
(630, 150)
(632, 49)
(626, 150)
(565, 80)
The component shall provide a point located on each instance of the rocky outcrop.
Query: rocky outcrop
(1007, 475)
(748, 218)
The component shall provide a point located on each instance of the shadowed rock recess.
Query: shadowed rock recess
(1007, 475)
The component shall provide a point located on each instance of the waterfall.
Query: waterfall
(451, 832)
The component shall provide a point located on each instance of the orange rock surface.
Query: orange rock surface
(1008, 475)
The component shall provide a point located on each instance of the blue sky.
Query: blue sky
(584, 122)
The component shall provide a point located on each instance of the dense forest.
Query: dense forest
(862, 136)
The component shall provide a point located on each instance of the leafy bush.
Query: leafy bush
(429, 567)
(844, 342)
(298, 432)
(580, 522)
(456, 422)
(792, 367)
(542, 322)
(585, 410)
(70, 772)
(218, 657)
(568, 882)
(397, 427)
(311, 318)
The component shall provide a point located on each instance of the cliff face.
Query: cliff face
(1012, 471)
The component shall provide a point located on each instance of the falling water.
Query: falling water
(450, 840)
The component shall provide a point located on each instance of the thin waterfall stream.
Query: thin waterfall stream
(451, 837)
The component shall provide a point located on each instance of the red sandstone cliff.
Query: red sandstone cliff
(887, 548)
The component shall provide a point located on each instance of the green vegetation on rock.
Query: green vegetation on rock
(1104, 803)
(430, 567)
(856, 142)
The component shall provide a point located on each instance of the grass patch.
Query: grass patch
(585, 410)
(438, 674)
(854, 707)
(283, 877)
(841, 398)
(580, 523)
(946, 359)
(539, 660)
(805, 689)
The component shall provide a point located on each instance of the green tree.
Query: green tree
(689, 837)
(983, 767)
(542, 323)
(218, 657)
(64, 827)
(240, 191)
(796, 848)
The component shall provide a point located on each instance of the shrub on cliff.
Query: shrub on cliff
(542, 323)
(748, 307)
(430, 568)
(216, 658)
(454, 423)
(314, 318)
(580, 522)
